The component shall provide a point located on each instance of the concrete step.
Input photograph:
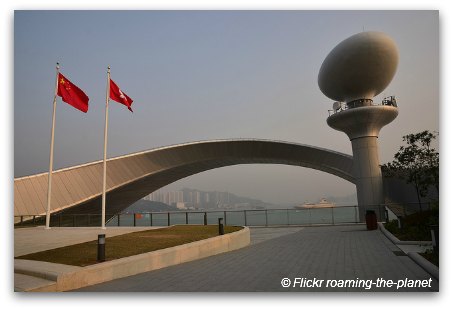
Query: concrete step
(36, 276)
(26, 283)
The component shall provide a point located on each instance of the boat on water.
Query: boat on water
(323, 203)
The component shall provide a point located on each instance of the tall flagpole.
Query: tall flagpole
(104, 180)
(52, 135)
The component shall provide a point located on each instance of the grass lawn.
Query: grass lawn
(84, 254)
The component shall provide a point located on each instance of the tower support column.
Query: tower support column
(362, 125)
(367, 172)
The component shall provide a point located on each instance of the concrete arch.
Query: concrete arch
(78, 189)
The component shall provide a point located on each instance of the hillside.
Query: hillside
(144, 206)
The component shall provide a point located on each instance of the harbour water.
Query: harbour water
(266, 217)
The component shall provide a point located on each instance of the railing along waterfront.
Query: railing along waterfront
(264, 217)
(255, 217)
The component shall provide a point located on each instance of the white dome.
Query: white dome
(336, 106)
(359, 67)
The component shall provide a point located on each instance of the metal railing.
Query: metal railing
(265, 217)
(388, 101)
(260, 217)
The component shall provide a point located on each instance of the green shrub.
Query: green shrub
(431, 256)
(416, 227)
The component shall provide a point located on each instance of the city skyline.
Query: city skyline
(211, 75)
(201, 199)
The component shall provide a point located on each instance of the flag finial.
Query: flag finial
(58, 65)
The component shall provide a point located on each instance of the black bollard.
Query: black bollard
(221, 231)
(101, 248)
(205, 219)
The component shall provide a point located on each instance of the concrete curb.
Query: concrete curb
(425, 264)
(43, 270)
(395, 240)
(429, 267)
(128, 266)
(386, 233)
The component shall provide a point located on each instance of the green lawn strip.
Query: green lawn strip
(84, 254)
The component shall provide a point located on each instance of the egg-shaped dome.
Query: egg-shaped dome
(360, 67)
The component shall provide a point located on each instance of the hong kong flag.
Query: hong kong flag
(117, 95)
(72, 94)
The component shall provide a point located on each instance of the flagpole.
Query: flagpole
(104, 179)
(52, 135)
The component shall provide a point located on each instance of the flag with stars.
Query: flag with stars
(72, 94)
(117, 95)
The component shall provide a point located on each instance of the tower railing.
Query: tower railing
(387, 101)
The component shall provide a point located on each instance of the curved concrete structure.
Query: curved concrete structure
(77, 190)
(364, 121)
(58, 278)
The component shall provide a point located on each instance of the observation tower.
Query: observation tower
(353, 73)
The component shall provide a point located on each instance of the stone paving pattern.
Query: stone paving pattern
(329, 252)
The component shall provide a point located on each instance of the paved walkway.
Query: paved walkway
(261, 234)
(324, 253)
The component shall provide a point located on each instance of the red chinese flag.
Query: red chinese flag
(117, 95)
(72, 94)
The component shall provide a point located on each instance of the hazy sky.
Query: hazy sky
(199, 75)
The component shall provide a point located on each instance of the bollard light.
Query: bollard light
(221, 231)
(101, 248)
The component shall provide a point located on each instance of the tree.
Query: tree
(417, 162)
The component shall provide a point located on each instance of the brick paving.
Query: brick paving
(327, 252)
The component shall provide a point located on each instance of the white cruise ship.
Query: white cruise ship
(323, 203)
